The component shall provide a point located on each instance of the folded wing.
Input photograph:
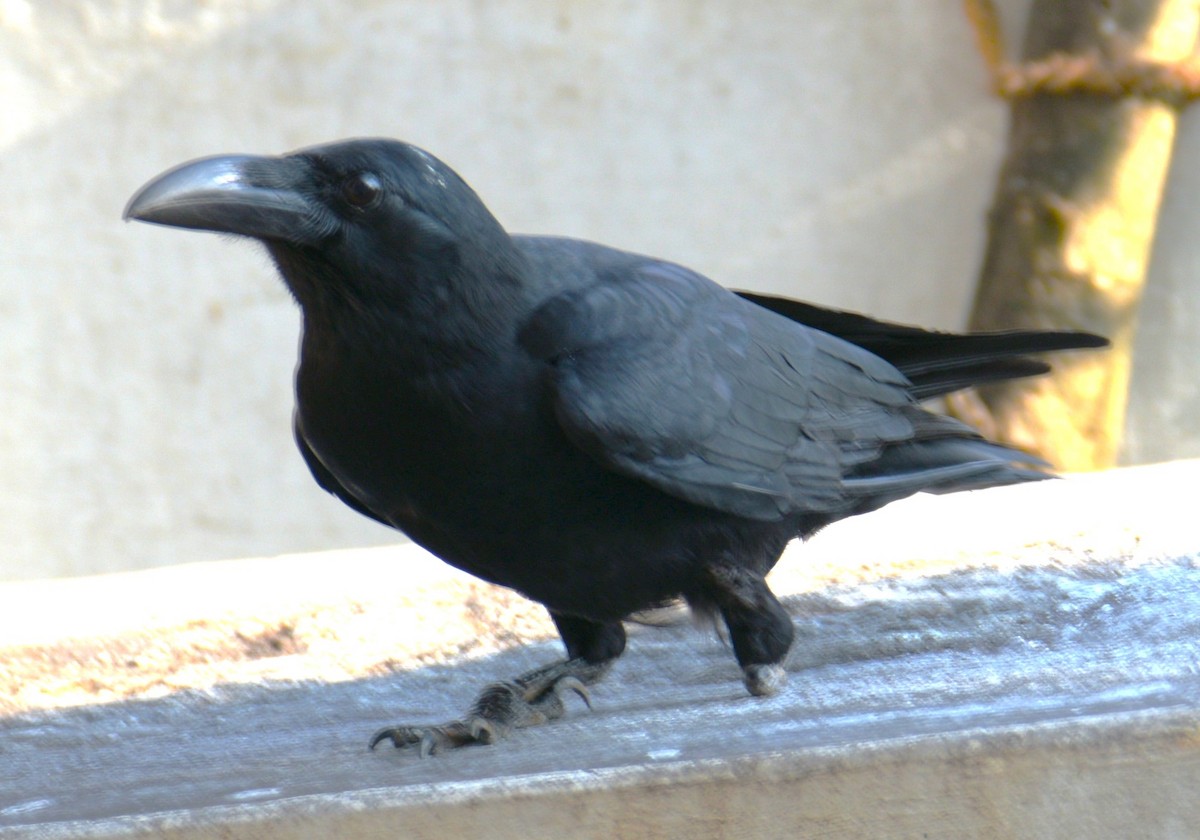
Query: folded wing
(662, 375)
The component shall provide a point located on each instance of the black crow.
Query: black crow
(598, 430)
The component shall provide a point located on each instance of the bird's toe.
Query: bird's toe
(764, 680)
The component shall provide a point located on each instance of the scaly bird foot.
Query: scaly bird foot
(531, 699)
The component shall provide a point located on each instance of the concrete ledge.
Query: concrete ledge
(1109, 778)
(1029, 671)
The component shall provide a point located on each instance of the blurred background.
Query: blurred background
(841, 153)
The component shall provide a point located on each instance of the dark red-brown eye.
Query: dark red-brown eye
(362, 190)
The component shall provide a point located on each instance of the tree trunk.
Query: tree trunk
(1072, 225)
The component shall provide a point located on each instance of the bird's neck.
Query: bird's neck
(429, 340)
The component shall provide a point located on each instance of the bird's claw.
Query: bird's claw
(576, 685)
(500, 708)
(764, 680)
(427, 739)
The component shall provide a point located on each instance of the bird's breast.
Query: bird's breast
(421, 444)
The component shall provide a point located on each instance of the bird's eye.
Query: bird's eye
(362, 190)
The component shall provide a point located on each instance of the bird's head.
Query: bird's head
(359, 223)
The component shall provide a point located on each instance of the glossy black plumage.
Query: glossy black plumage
(599, 430)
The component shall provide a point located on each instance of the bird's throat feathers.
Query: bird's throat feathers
(442, 318)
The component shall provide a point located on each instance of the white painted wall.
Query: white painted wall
(844, 153)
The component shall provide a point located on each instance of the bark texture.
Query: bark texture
(1073, 220)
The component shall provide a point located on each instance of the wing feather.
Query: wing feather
(664, 376)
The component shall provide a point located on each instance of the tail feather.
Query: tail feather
(943, 465)
(943, 455)
(935, 363)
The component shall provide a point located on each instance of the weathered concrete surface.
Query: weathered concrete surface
(1010, 663)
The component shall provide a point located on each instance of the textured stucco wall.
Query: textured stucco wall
(844, 153)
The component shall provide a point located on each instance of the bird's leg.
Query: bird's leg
(759, 627)
(533, 698)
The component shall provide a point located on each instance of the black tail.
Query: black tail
(942, 456)
(935, 362)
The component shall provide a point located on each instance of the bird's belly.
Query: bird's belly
(499, 492)
(526, 512)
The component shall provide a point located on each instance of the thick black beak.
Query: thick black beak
(241, 194)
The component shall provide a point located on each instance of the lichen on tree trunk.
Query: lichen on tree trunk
(1072, 226)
